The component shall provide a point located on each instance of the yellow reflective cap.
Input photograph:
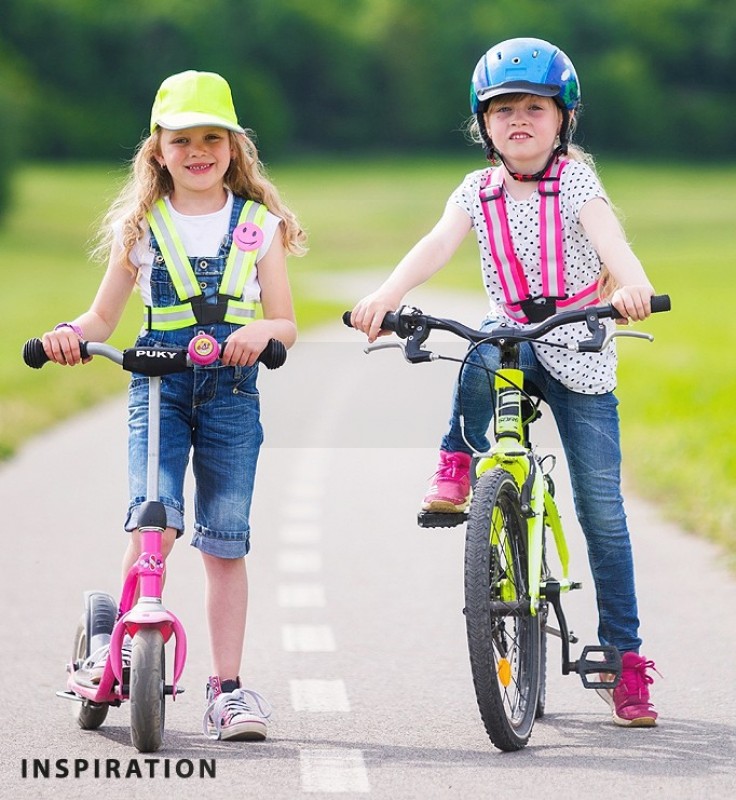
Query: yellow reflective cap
(191, 99)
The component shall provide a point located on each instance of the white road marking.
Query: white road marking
(296, 561)
(302, 510)
(304, 490)
(334, 770)
(301, 595)
(308, 639)
(319, 695)
(300, 533)
(324, 771)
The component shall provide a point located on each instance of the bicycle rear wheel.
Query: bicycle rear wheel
(147, 695)
(504, 638)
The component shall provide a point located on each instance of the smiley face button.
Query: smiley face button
(248, 236)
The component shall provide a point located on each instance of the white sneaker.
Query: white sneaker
(237, 715)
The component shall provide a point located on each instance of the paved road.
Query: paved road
(355, 633)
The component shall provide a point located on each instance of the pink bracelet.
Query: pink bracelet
(71, 325)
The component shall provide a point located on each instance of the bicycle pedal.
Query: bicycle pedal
(609, 663)
(441, 519)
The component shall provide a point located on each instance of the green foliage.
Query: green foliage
(354, 75)
(677, 395)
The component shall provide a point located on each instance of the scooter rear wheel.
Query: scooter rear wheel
(93, 630)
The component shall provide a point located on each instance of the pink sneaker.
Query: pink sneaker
(450, 488)
(629, 701)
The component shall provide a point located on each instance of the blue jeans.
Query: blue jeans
(214, 412)
(589, 431)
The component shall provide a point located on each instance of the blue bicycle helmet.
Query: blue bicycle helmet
(532, 66)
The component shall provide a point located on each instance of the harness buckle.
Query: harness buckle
(549, 187)
(490, 192)
(209, 313)
(538, 309)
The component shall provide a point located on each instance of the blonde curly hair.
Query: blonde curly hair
(147, 182)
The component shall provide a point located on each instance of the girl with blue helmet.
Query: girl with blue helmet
(525, 66)
(548, 240)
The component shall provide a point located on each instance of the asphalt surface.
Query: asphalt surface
(355, 631)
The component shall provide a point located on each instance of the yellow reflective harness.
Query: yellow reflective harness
(193, 308)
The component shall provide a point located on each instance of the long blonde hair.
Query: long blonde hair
(606, 282)
(148, 182)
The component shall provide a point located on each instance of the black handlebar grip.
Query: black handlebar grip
(390, 321)
(35, 356)
(273, 355)
(660, 302)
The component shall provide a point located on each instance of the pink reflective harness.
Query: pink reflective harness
(519, 305)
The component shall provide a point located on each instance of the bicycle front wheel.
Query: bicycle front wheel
(504, 638)
(147, 695)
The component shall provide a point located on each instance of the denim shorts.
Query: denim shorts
(214, 414)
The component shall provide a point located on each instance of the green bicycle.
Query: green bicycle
(509, 587)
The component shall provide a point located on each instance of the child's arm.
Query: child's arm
(632, 298)
(98, 323)
(245, 345)
(427, 257)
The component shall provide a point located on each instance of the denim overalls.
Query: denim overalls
(212, 411)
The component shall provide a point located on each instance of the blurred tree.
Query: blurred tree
(14, 90)
(344, 75)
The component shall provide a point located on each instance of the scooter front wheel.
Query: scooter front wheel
(147, 690)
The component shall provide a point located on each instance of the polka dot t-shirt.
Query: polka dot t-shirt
(588, 373)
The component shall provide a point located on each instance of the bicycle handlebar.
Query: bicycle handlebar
(411, 323)
(147, 360)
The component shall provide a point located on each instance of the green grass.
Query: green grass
(677, 395)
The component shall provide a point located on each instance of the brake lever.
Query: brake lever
(371, 348)
(629, 334)
(591, 345)
(411, 351)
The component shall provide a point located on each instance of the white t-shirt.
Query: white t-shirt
(201, 235)
(588, 373)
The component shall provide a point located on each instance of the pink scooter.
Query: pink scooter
(134, 635)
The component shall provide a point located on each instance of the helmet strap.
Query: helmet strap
(537, 176)
(493, 154)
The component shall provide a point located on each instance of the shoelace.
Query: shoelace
(449, 468)
(241, 701)
(641, 678)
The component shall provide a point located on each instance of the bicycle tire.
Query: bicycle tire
(504, 638)
(93, 631)
(542, 693)
(147, 696)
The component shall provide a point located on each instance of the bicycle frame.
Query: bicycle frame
(511, 452)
